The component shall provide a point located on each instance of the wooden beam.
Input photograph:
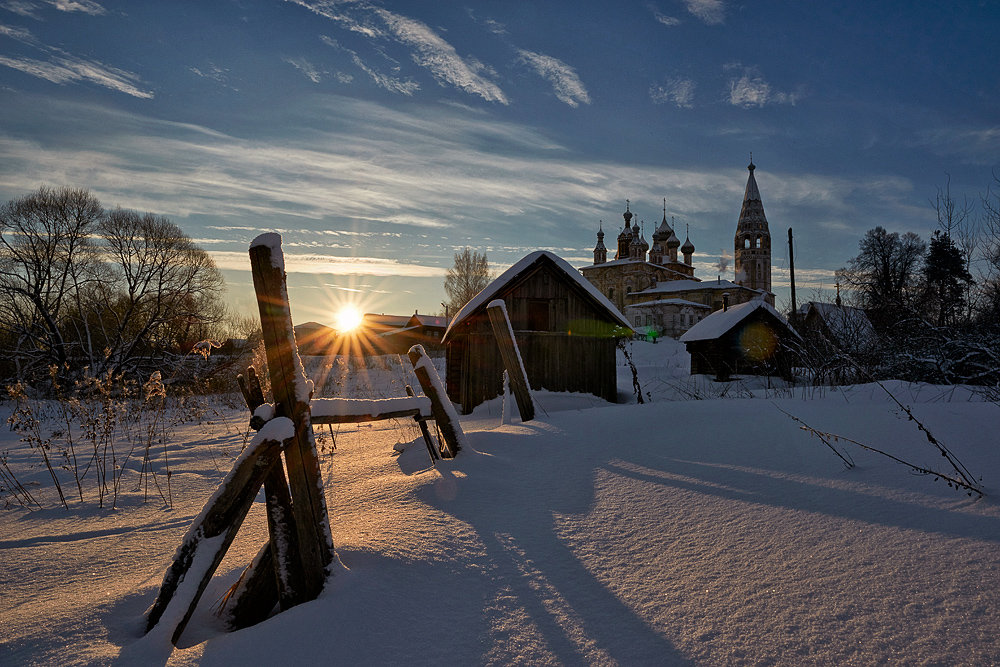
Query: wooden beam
(208, 539)
(511, 359)
(441, 408)
(291, 390)
(284, 540)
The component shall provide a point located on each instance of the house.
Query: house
(565, 329)
(750, 338)
(426, 330)
(833, 326)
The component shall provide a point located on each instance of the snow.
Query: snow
(490, 291)
(721, 321)
(271, 240)
(681, 531)
(343, 407)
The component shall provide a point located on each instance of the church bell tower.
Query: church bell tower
(753, 240)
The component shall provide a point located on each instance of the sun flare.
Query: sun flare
(348, 318)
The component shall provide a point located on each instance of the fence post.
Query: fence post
(283, 539)
(511, 359)
(441, 408)
(291, 390)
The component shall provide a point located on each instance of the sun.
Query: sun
(348, 318)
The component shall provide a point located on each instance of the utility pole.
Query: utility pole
(791, 271)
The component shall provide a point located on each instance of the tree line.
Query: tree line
(86, 290)
(935, 305)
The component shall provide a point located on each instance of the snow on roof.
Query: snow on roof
(669, 302)
(722, 321)
(846, 323)
(384, 320)
(431, 320)
(491, 290)
(633, 260)
(690, 284)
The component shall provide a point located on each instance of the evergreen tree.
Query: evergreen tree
(946, 279)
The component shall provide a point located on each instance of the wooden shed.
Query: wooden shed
(751, 338)
(566, 331)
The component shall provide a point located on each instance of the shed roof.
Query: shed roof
(722, 321)
(527, 262)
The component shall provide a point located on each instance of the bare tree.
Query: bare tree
(467, 278)
(164, 288)
(884, 275)
(46, 259)
(80, 287)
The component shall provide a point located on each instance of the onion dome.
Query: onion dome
(688, 247)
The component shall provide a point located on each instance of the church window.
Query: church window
(628, 288)
(758, 241)
(611, 293)
(746, 244)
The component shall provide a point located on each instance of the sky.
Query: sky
(379, 138)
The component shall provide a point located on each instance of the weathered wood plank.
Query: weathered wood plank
(424, 431)
(291, 390)
(201, 552)
(451, 430)
(286, 566)
(512, 361)
(356, 419)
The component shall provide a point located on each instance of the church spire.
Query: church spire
(753, 239)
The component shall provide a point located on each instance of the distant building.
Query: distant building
(751, 338)
(659, 292)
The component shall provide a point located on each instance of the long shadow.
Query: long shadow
(581, 620)
(743, 485)
(91, 534)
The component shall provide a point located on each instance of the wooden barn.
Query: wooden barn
(566, 331)
(751, 338)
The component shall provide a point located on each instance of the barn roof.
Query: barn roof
(722, 321)
(527, 262)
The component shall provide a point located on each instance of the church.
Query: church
(659, 293)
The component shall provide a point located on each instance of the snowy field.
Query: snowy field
(703, 527)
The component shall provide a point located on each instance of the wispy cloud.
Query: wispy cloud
(711, 12)
(428, 49)
(406, 185)
(67, 69)
(668, 21)
(390, 83)
(565, 83)
(61, 67)
(306, 68)
(440, 58)
(975, 145)
(31, 8)
(749, 89)
(677, 91)
(84, 6)
(338, 12)
(20, 34)
(333, 265)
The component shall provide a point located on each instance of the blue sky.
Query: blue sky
(380, 137)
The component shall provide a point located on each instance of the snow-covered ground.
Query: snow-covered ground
(702, 527)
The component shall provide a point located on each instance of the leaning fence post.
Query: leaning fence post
(291, 390)
(441, 407)
(283, 539)
(497, 311)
